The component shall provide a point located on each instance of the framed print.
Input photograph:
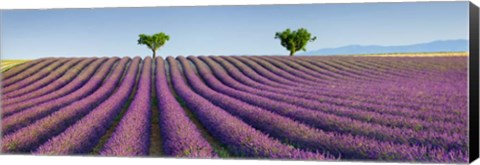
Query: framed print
(370, 82)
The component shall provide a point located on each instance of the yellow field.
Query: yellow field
(436, 54)
(7, 64)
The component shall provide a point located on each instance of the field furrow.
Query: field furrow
(30, 115)
(27, 73)
(81, 137)
(28, 138)
(74, 85)
(132, 135)
(388, 108)
(20, 68)
(37, 76)
(50, 83)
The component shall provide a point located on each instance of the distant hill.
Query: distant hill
(435, 46)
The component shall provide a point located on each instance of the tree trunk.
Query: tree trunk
(292, 53)
(153, 55)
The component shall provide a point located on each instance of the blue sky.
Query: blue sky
(225, 30)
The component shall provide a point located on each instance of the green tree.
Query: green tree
(153, 42)
(295, 40)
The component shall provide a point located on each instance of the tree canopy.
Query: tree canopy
(153, 42)
(295, 40)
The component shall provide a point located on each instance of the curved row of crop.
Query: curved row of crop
(344, 86)
(27, 73)
(451, 116)
(180, 136)
(81, 137)
(343, 102)
(283, 128)
(262, 107)
(374, 73)
(331, 97)
(331, 109)
(283, 67)
(78, 81)
(359, 89)
(326, 121)
(366, 65)
(48, 84)
(30, 115)
(415, 83)
(132, 135)
(306, 67)
(404, 64)
(276, 76)
(239, 138)
(30, 137)
(20, 68)
(384, 90)
(42, 73)
(286, 74)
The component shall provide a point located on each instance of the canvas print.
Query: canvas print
(326, 82)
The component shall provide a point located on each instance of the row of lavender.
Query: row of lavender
(419, 143)
(403, 109)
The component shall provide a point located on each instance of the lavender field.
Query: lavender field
(404, 109)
